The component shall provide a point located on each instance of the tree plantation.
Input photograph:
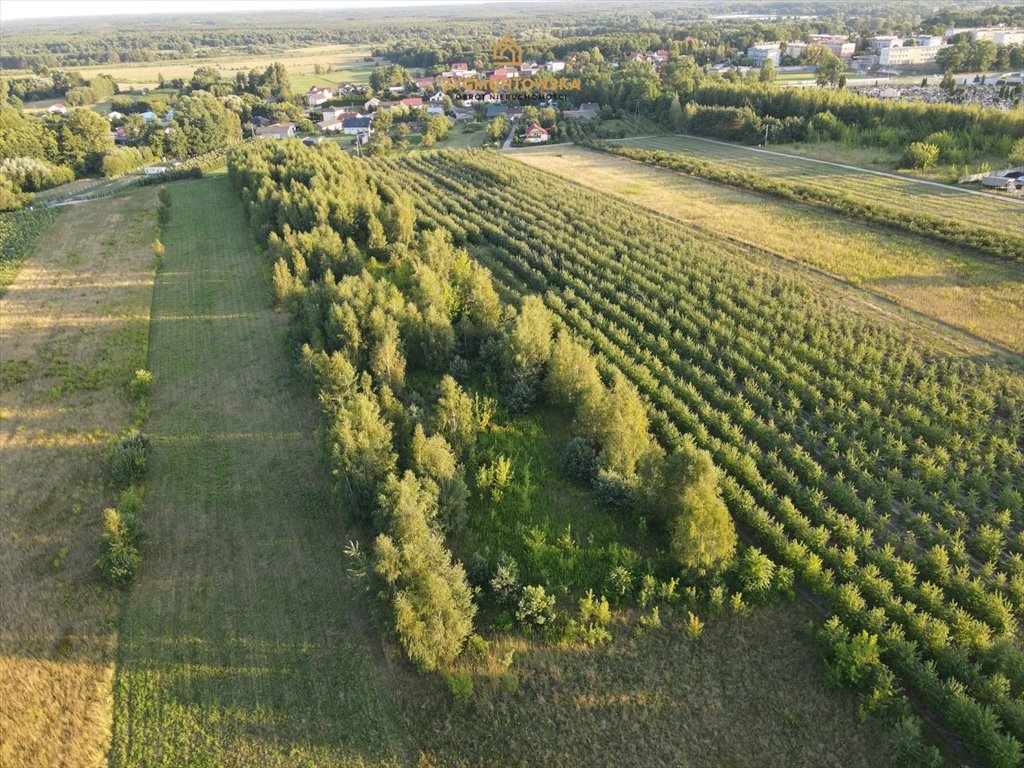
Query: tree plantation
(523, 386)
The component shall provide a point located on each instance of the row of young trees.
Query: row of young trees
(399, 453)
(787, 402)
(1005, 245)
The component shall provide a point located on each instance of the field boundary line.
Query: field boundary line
(856, 168)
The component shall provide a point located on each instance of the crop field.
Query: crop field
(885, 473)
(242, 642)
(347, 60)
(983, 210)
(978, 295)
(73, 330)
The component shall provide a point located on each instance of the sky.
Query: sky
(48, 9)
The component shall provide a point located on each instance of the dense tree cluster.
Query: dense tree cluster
(398, 454)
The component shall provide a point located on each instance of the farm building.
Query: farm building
(57, 109)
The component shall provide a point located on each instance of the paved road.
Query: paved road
(947, 187)
(508, 141)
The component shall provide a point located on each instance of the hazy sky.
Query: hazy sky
(44, 9)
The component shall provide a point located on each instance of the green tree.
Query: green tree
(453, 417)
(528, 343)
(432, 602)
(616, 420)
(361, 451)
(685, 491)
(572, 373)
(768, 72)
(202, 124)
(84, 137)
(830, 69)
(1017, 152)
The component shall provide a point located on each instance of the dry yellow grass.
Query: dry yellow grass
(298, 61)
(984, 298)
(73, 327)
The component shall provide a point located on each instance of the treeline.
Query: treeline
(398, 453)
(1006, 245)
(38, 154)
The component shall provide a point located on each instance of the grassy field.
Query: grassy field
(749, 692)
(73, 330)
(347, 60)
(242, 643)
(983, 297)
(989, 211)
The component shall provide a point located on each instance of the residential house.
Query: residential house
(276, 131)
(555, 66)
(114, 115)
(412, 101)
(514, 113)
(535, 134)
(425, 83)
(317, 96)
(460, 114)
(372, 104)
(504, 73)
(58, 109)
(338, 113)
(333, 125)
(588, 110)
(531, 69)
(496, 110)
(437, 98)
(435, 109)
(396, 89)
(356, 125)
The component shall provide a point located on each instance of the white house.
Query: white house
(317, 96)
(555, 66)
(535, 134)
(57, 109)
(356, 125)
(275, 131)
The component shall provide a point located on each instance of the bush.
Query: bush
(536, 607)
(920, 154)
(505, 582)
(122, 536)
(130, 459)
(613, 491)
(694, 626)
(756, 572)
(579, 460)
(460, 685)
(141, 383)
(492, 480)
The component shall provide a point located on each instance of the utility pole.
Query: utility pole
(766, 135)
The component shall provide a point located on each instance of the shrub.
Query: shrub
(613, 491)
(493, 479)
(478, 570)
(595, 615)
(694, 626)
(620, 581)
(920, 154)
(460, 685)
(122, 535)
(158, 253)
(130, 459)
(141, 383)
(756, 572)
(579, 460)
(505, 582)
(536, 607)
